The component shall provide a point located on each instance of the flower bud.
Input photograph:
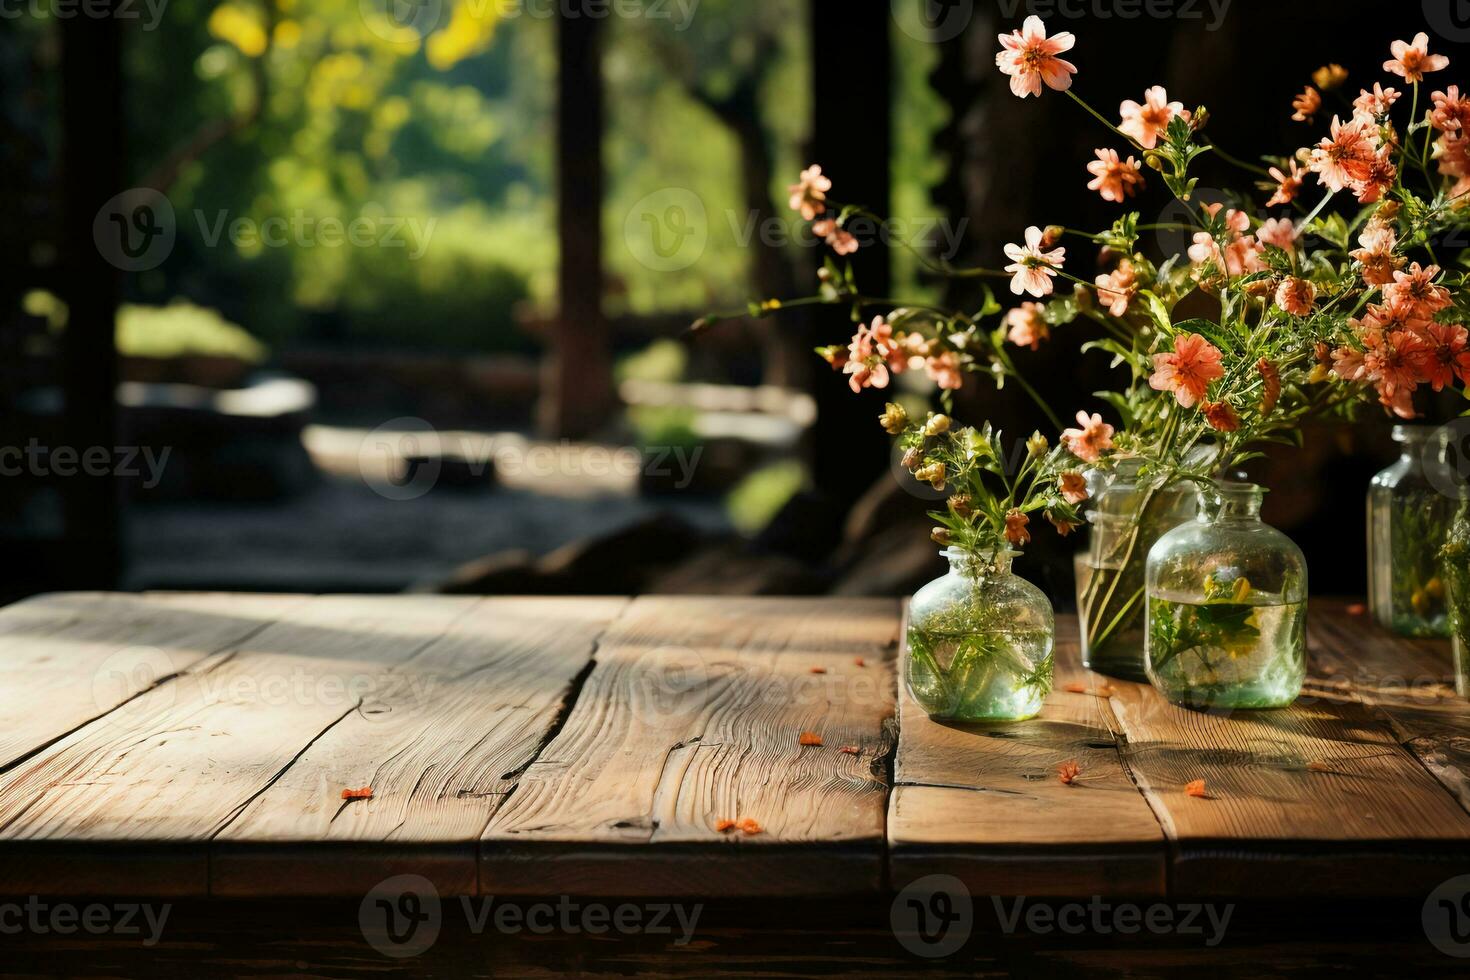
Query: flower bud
(893, 419)
(937, 425)
(1153, 161)
(1037, 445)
(913, 459)
(1082, 296)
(961, 504)
(1052, 235)
(932, 474)
(940, 535)
(1199, 119)
(1261, 287)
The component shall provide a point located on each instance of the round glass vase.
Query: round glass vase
(1409, 514)
(1227, 607)
(979, 642)
(1456, 556)
(1127, 515)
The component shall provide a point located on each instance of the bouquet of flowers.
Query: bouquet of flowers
(1325, 276)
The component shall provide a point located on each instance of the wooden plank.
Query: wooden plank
(692, 715)
(1318, 799)
(72, 657)
(440, 747)
(162, 776)
(1408, 684)
(984, 802)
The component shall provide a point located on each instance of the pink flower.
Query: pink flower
(1375, 104)
(1147, 122)
(1288, 185)
(1114, 179)
(872, 354)
(1413, 60)
(1241, 254)
(1030, 58)
(1118, 288)
(1376, 254)
(838, 239)
(1073, 487)
(1188, 371)
(1033, 268)
(944, 370)
(1028, 326)
(1348, 364)
(1451, 110)
(1391, 361)
(1280, 232)
(809, 193)
(1296, 296)
(1415, 292)
(1343, 157)
(1091, 440)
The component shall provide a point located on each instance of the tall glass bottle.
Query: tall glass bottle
(1128, 514)
(1227, 607)
(1409, 514)
(979, 642)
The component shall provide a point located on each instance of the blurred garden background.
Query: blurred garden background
(450, 397)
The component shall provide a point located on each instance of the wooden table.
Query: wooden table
(195, 747)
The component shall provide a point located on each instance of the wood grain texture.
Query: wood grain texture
(68, 658)
(440, 746)
(984, 802)
(1315, 799)
(179, 762)
(692, 715)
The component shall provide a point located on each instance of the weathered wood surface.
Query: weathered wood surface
(188, 745)
(986, 803)
(693, 715)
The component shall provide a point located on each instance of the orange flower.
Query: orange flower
(1221, 416)
(1451, 110)
(1188, 371)
(1288, 185)
(1114, 179)
(1296, 296)
(1375, 104)
(1344, 157)
(1376, 254)
(365, 793)
(1412, 59)
(1329, 77)
(1271, 380)
(1306, 104)
(1090, 441)
(1416, 293)
(1073, 487)
(1016, 532)
(1068, 772)
(1147, 122)
(1196, 788)
(723, 826)
(809, 738)
(750, 826)
(840, 241)
(1030, 58)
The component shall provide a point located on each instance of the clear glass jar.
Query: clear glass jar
(1456, 557)
(1408, 517)
(979, 642)
(1127, 516)
(1227, 607)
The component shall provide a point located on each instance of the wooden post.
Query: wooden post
(852, 137)
(91, 164)
(577, 380)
